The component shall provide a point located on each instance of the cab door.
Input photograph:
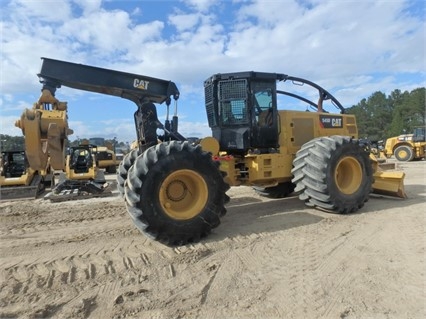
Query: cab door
(264, 116)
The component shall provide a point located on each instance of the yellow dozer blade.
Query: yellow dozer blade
(390, 183)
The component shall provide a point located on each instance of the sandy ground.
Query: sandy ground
(268, 259)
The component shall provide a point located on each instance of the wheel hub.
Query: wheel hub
(348, 175)
(176, 191)
(183, 194)
(403, 154)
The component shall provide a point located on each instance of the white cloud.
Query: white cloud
(184, 22)
(194, 129)
(7, 126)
(337, 38)
(352, 48)
(11, 105)
(89, 6)
(124, 128)
(80, 128)
(108, 32)
(201, 5)
(45, 11)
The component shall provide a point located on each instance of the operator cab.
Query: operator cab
(242, 111)
(14, 164)
(419, 134)
(81, 158)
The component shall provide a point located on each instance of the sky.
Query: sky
(351, 48)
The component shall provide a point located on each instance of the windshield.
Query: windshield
(263, 100)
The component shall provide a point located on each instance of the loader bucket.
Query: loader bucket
(386, 180)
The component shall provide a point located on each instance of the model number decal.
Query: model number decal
(140, 84)
(329, 121)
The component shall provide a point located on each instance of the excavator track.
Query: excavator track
(76, 190)
(31, 191)
(74, 194)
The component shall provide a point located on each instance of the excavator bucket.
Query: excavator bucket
(387, 181)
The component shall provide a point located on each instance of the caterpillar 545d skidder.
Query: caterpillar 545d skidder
(175, 191)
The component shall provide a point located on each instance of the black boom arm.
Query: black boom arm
(140, 89)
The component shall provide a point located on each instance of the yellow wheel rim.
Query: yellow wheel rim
(183, 194)
(402, 153)
(348, 175)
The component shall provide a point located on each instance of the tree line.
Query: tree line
(378, 117)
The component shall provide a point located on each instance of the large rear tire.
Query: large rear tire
(123, 168)
(404, 153)
(175, 193)
(333, 173)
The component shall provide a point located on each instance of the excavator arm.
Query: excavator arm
(45, 128)
(144, 91)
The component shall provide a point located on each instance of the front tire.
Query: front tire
(175, 193)
(123, 168)
(404, 153)
(333, 173)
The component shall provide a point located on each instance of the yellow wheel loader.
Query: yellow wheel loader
(175, 191)
(18, 180)
(105, 154)
(407, 147)
(106, 159)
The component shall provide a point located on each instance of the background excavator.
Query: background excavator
(175, 191)
(104, 152)
(82, 178)
(25, 173)
(45, 128)
(18, 180)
